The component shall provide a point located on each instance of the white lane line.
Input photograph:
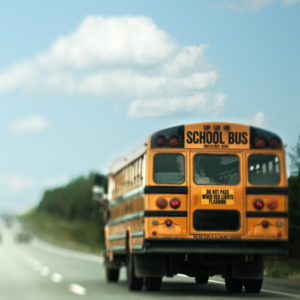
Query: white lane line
(55, 277)
(279, 293)
(37, 265)
(77, 289)
(45, 271)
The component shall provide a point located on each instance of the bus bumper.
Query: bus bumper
(251, 247)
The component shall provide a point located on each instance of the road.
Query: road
(42, 271)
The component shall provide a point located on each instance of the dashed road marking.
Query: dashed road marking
(57, 278)
(45, 271)
(37, 265)
(77, 289)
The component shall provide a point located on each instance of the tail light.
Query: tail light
(226, 127)
(216, 127)
(160, 141)
(168, 223)
(260, 142)
(265, 224)
(173, 141)
(206, 127)
(161, 203)
(175, 203)
(258, 204)
(279, 234)
(272, 204)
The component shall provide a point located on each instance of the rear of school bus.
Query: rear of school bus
(215, 203)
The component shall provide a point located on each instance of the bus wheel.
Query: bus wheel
(153, 283)
(133, 282)
(112, 275)
(234, 285)
(201, 279)
(253, 286)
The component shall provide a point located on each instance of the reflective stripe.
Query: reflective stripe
(118, 248)
(129, 217)
(137, 247)
(128, 196)
(137, 233)
(116, 237)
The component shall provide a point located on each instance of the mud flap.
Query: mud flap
(249, 270)
(150, 265)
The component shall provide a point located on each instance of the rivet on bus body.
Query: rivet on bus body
(154, 222)
(154, 233)
(279, 223)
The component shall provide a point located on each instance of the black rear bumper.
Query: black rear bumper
(173, 245)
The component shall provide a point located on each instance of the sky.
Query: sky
(83, 82)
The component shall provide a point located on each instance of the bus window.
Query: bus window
(266, 169)
(168, 169)
(216, 169)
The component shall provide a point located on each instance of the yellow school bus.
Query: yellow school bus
(200, 199)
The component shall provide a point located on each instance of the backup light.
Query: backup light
(260, 142)
(173, 141)
(279, 223)
(161, 203)
(160, 141)
(272, 204)
(175, 203)
(258, 204)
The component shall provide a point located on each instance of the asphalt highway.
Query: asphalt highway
(38, 270)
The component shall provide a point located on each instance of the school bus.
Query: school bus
(200, 199)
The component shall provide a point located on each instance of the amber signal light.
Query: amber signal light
(260, 142)
(272, 204)
(173, 141)
(273, 142)
(161, 203)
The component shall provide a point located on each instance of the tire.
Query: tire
(201, 279)
(234, 285)
(153, 283)
(253, 286)
(134, 283)
(112, 275)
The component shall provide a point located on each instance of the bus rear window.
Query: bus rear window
(216, 169)
(168, 169)
(263, 169)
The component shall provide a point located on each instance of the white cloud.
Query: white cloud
(28, 125)
(15, 184)
(258, 120)
(124, 57)
(249, 5)
(197, 104)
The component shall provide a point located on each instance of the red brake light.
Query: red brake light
(160, 141)
(175, 203)
(173, 141)
(161, 203)
(154, 233)
(206, 127)
(169, 223)
(216, 127)
(279, 234)
(260, 142)
(265, 224)
(258, 204)
(226, 127)
(273, 142)
(272, 204)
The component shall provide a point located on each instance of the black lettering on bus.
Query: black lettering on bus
(221, 140)
(196, 141)
(190, 139)
(209, 137)
(245, 140)
(231, 138)
(216, 137)
(238, 137)
(202, 137)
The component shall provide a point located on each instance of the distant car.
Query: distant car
(23, 236)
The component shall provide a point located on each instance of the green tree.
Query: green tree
(295, 158)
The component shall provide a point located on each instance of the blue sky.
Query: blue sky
(83, 82)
